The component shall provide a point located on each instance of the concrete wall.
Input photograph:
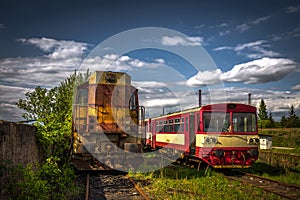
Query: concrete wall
(18, 143)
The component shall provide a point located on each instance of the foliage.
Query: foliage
(52, 110)
(51, 181)
(180, 182)
(292, 120)
(264, 121)
(284, 137)
(48, 181)
(262, 111)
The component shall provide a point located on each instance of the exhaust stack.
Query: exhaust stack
(249, 98)
(200, 98)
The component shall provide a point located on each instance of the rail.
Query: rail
(285, 190)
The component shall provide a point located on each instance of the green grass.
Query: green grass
(284, 137)
(291, 176)
(179, 182)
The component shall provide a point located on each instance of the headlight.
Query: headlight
(252, 140)
(209, 140)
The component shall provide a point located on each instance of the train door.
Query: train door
(192, 136)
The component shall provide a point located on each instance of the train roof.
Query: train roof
(211, 107)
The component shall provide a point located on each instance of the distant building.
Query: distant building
(265, 141)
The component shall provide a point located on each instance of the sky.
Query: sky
(171, 49)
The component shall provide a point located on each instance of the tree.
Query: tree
(283, 121)
(263, 121)
(293, 120)
(52, 110)
(262, 111)
(272, 122)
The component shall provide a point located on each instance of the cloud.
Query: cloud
(222, 33)
(296, 87)
(287, 35)
(184, 41)
(260, 71)
(60, 59)
(253, 50)
(254, 72)
(205, 78)
(242, 27)
(114, 62)
(2, 26)
(160, 60)
(292, 9)
(261, 19)
(57, 48)
(245, 26)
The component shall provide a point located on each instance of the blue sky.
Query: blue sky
(253, 47)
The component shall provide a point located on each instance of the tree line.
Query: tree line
(265, 118)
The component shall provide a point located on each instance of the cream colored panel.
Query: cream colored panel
(170, 138)
(225, 140)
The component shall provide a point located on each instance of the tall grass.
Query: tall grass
(179, 182)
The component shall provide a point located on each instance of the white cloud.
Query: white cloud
(253, 50)
(205, 78)
(245, 26)
(296, 87)
(160, 60)
(292, 9)
(254, 72)
(242, 27)
(184, 41)
(261, 19)
(57, 48)
(260, 71)
(222, 33)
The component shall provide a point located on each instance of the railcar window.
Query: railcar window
(244, 122)
(177, 125)
(186, 124)
(216, 121)
(198, 122)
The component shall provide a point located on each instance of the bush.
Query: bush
(41, 182)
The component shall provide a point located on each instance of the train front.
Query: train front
(105, 121)
(227, 136)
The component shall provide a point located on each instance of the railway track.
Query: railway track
(287, 191)
(109, 185)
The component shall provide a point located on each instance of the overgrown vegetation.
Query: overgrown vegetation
(179, 182)
(291, 176)
(267, 121)
(284, 137)
(52, 111)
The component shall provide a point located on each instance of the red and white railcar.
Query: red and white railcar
(222, 135)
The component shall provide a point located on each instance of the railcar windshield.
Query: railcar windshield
(216, 121)
(221, 122)
(244, 122)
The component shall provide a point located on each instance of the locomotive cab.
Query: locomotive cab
(106, 115)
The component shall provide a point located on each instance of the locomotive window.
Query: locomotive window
(82, 96)
(244, 122)
(216, 121)
(132, 102)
